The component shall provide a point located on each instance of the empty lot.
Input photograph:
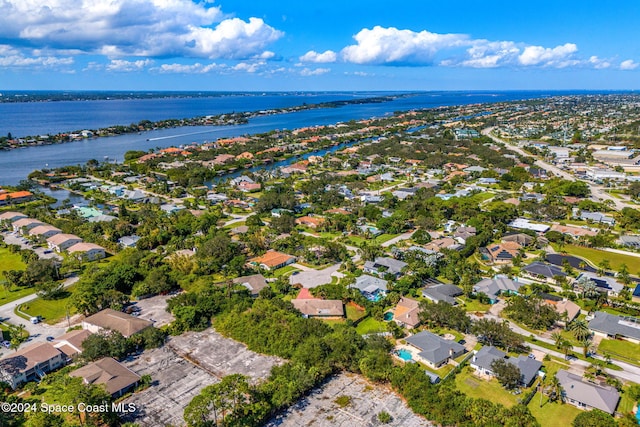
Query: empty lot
(222, 356)
(319, 409)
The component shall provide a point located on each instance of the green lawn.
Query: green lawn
(626, 402)
(354, 313)
(52, 311)
(370, 326)
(9, 261)
(284, 271)
(552, 414)
(619, 349)
(479, 388)
(474, 305)
(596, 256)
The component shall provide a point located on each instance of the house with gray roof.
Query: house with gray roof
(496, 286)
(442, 292)
(483, 358)
(597, 217)
(384, 265)
(586, 395)
(372, 288)
(543, 271)
(611, 326)
(254, 283)
(630, 240)
(603, 283)
(434, 350)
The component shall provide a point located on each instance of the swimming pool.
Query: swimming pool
(388, 316)
(404, 354)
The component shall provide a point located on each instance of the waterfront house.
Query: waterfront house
(484, 358)
(109, 319)
(15, 197)
(116, 378)
(434, 350)
(587, 395)
(30, 363)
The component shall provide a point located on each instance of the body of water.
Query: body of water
(52, 117)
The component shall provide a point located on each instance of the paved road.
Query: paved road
(598, 193)
(403, 236)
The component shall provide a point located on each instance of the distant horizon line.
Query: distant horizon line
(2, 91)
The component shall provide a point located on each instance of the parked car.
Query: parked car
(50, 339)
(6, 344)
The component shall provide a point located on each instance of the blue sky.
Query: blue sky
(265, 45)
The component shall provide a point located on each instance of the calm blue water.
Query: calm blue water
(404, 355)
(52, 117)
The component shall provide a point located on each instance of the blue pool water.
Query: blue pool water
(388, 316)
(404, 354)
(638, 414)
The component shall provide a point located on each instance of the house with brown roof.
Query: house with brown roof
(71, 342)
(44, 231)
(443, 243)
(9, 217)
(254, 283)
(116, 378)
(26, 224)
(406, 313)
(87, 251)
(272, 260)
(109, 319)
(62, 241)
(30, 363)
(503, 253)
(573, 231)
(324, 308)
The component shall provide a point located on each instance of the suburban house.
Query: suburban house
(587, 395)
(611, 326)
(635, 296)
(496, 286)
(62, 241)
(272, 260)
(442, 292)
(71, 342)
(116, 378)
(597, 217)
(30, 363)
(444, 243)
(109, 319)
(44, 231)
(483, 358)
(603, 283)
(525, 224)
(16, 197)
(87, 251)
(254, 283)
(313, 307)
(503, 253)
(128, 241)
(372, 288)
(383, 266)
(573, 231)
(520, 238)
(543, 271)
(310, 221)
(568, 310)
(26, 224)
(406, 313)
(434, 350)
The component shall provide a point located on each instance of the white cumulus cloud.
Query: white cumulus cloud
(319, 58)
(158, 28)
(13, 58)
(127, 66)
(381, 45)
(314, 72)
(628, 64)
(557, 56)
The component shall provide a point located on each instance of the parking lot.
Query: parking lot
(12, 238)
(319, 409)
(175, 382)
(154, 309)
(222, 356)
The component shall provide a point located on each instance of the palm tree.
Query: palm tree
(557, 337)
(565, 346)
(555, 389)
(580, 329)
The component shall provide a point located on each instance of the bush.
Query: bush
(384, 417)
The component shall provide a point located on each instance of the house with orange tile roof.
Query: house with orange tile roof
(15, 197)
(310, 221)
(573, 231)
(272, 260)
(246, 156)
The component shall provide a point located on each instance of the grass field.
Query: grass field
(354, 313)
(52, 311)
(488, 389)
(552, 414)
(9, 261)
(626, 402)
(619, 349)
(597, 256)
(370, 326)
